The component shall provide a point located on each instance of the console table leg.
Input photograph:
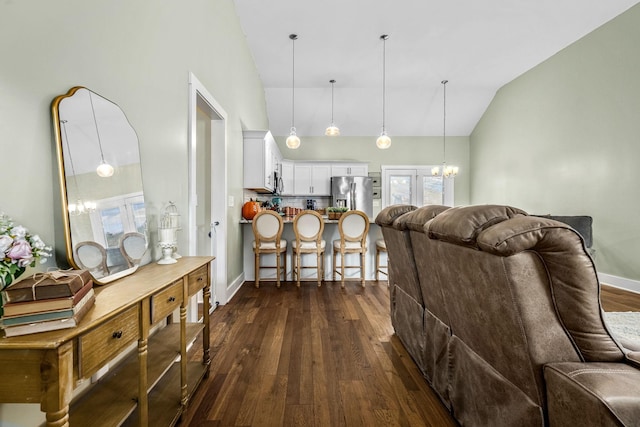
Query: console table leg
(56, 373)
(59, 418)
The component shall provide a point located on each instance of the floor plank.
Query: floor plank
(311, 357)
(319, 357)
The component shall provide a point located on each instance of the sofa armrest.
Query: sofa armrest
(592, 394)
(633, 357)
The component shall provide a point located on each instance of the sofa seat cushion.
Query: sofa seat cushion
(593, 394)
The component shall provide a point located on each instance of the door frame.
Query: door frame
(198, 94)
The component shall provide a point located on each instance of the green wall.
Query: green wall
(137, 54)
(404, 150)
(563, 139)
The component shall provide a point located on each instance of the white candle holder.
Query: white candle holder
(168, 235)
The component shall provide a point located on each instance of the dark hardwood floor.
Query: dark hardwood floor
(616, 299)
(319, 357)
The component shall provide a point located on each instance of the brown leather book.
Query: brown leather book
(53, 284)
(38, 306)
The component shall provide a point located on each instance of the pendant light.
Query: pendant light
(447, 171)
(293, 141)
(79, 206)
(332, 130)
(104, 169)
(383, 142)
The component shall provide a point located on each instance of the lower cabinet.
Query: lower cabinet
(151, 382)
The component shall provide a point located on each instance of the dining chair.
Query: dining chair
(133, 247)
(92, 256)
(353, 227)
(308, 227)
(381, 247)
(267, 231)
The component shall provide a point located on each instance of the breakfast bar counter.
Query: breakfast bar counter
(330, 234)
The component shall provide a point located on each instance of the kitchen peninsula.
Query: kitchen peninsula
(330, 234)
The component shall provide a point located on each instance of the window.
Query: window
(416, 186)
(116, 216)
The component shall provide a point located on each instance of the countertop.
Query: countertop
(289, 220)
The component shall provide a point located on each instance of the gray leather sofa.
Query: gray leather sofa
(501, 312)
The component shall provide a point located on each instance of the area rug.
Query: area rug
(624, 324)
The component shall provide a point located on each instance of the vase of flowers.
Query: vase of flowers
(18, 250)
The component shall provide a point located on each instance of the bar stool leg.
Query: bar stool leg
(278, 259)
(362, 268)
(257, 270)
(284, 272)
(299, 267)
(319, 268)
(342, 268)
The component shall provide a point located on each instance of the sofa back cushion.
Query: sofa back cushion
(572, 278)
(461, 225)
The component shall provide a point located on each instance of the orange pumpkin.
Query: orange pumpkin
(250, 209)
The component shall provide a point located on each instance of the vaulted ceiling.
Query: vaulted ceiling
(478, 46)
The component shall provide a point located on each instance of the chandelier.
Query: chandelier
(447, 171)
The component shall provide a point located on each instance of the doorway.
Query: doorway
(208, 186)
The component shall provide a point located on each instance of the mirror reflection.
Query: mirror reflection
(101, 180)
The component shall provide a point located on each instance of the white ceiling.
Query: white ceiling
(477, 45)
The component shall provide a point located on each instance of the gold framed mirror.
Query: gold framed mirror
(101, 185)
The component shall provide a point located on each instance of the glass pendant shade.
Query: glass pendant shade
(104, 170)
(332, 130)
(383, 142)
(293, 141)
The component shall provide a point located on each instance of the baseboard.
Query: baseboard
(619, 282)
(235, 286)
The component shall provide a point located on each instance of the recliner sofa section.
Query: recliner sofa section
(511, 331)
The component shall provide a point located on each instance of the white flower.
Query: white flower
(19, 231)
(5, 244)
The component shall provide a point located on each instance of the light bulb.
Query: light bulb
(383, 142)
(104, 170)
(435, 171)
(293, 141)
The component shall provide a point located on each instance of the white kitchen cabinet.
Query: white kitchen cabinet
(261, 157)
(349, 169)
(286, 168)
(312, 179)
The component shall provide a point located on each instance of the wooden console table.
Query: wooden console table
(150, 386)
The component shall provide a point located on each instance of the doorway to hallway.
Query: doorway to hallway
(207, 185)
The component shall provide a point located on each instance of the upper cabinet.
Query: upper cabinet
(349, 169)
(261, 161)
(286, 169)
(312, 179)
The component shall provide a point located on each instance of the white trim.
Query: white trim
(619, 282)
(234, 287)
(219, 191)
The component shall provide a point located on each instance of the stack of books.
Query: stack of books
(47, 302)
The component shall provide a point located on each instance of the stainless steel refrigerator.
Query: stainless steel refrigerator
(353, 192)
